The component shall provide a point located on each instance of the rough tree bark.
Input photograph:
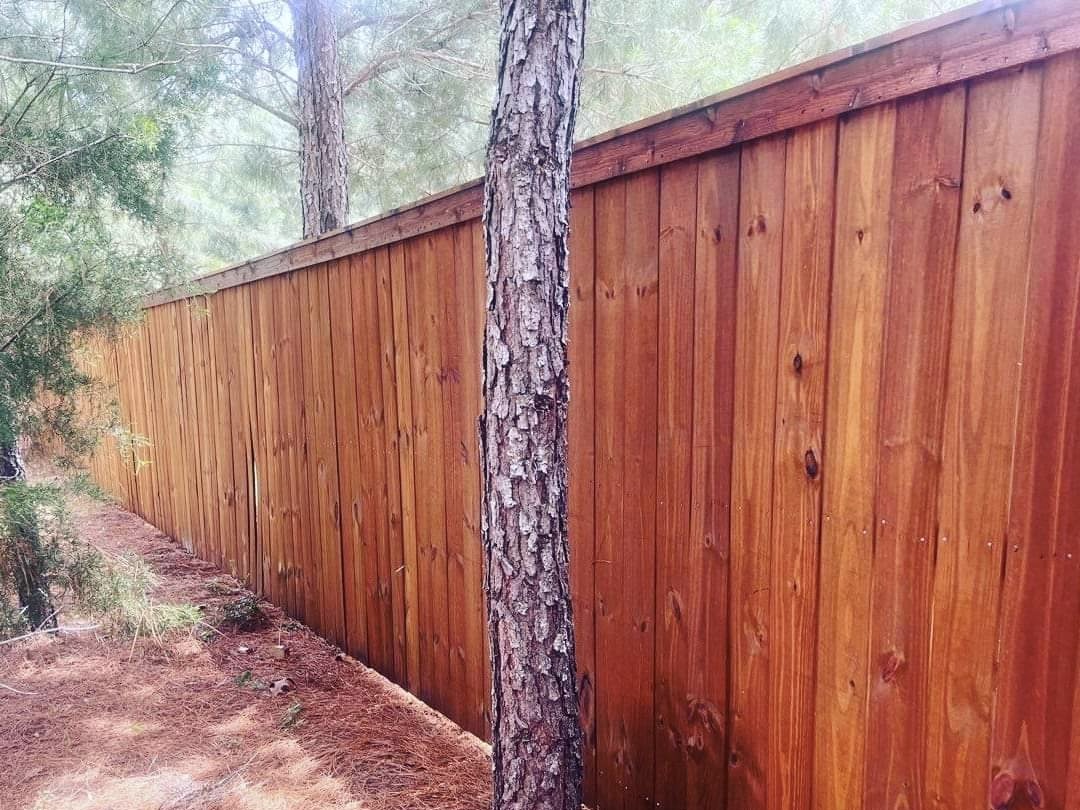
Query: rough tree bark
(31, 583)
(324, 160)
(536, 736)
(11, 465)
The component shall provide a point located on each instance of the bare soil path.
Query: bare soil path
(189, 724)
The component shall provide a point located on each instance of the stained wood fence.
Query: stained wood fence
(825, 434)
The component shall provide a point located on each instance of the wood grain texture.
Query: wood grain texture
(799, 459)
(469, 313)
(581, 511)
(856, 321)
(289, 369)
(351, 453)
(698, 227)
(221, 408)
(925, 209)
(761, 229)
(627, 230)
(1034, 718)
(676, 592)
(406, 458)
(394, 582)
(462, 403)
(322, 452)
(422, 280)
(989, 304)
(373, 509)
(268, 468)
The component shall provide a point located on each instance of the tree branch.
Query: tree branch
(29, 321)
(247, 57)
(128, 69)
(243, 145)
(34, 170)
(291, 120)
(380, 63)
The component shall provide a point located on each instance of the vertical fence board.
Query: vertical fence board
(676, 592)
(857, 309)
(206, 396)
(246, 433)
(627, 232)
(268, 475)
(799, 459)
(980, 415)
(456, 463)
(581, 355)
(155, 448)
(760, 234)
(323, 458)
(928, 153)
(395, 519)
(229, 323)
(280, 327)
(407, 463)
(423, 294)
(1037, 651)
(217, 341)
(463, 505)
(369, 401)
(613, 764)
(715, 289)
(351, 460)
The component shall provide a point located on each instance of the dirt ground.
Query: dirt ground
(111, 725)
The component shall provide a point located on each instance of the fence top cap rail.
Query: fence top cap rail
(972, 41)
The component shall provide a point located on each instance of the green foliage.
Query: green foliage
(247, 680)
(81, 483)
(117, 592)
(94, 99)
(243, 613)
(293, 716)
(38, 556)
(36, 534)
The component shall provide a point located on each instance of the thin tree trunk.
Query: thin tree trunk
(536, 736)
(31, 584)
(324, 160)
(33, 588)
(11, 465)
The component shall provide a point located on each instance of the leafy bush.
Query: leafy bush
(243, 613)
(36, 545)
(116, 591)
(43, 567)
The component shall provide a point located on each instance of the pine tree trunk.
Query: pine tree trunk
(31, 584)
(536, 736)
(324, 160)
(33, 588)
(11, 465)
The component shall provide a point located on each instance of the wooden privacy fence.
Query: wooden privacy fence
(825, 434)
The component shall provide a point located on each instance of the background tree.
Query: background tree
(324, 161)
(536, 739)
(417, 80)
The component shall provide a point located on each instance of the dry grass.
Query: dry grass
(177, 725)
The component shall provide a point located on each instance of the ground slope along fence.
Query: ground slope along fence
(825, 434)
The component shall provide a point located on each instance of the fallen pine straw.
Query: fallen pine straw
(179, 726)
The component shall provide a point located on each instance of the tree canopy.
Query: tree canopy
(418, 79)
